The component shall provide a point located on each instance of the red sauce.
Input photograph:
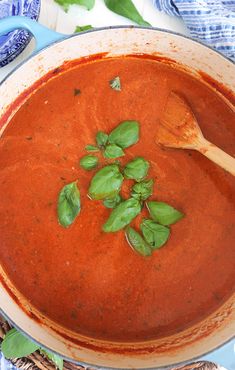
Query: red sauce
(89, 281)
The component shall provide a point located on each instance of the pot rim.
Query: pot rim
(158, 29)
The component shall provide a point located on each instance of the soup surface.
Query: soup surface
(90, 281)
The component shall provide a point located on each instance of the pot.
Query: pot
(52, 51)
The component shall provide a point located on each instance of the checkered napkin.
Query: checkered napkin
(212, 22)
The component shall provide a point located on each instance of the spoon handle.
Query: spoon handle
(217, 155)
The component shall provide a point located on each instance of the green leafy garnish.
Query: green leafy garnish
(91, 148)
(76, 92)
(83, 28)
(142, 190)
(101, 139)
(115, 83)
(137, 242)
(15, 345)
(106, 183)
(57, 360)
(89, 162)
(164, 213)
(136, 169)
(112, 202)
(122, 215)
(88, 4)
(127, 9)
(156, 235)
(113, 151)
(125, 134)
(69, 204)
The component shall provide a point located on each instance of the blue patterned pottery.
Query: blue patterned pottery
(13, 43)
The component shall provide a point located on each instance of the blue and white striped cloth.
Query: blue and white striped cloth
(212, 22)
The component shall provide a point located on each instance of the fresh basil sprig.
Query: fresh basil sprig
(106, 183)
(142, 190)
(163, 213)
(16, 345)
(83, 28)
(137, 169)
(101, 139)
(88, 4)
(137, 242)
(57, 360)
(69, 204)
(89, 162)
(122, 215)
(113, 151)
(127, 9)
(156, 235)
(125, 134)
(115, 83)
(112, 202)
(91, 148)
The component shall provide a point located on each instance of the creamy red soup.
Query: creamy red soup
(90, 281)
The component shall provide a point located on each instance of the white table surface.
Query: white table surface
(53, 16)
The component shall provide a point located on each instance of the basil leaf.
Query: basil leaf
(122, 215)
(91, 148)
(115, 84)
(101, 138)
(136, 169)
(69, 204)
(89, 162)
(15, 345)
(88, 4)
(57, 360)
(112, 202)
(125, 134)
(142, 190)
(156, 235)
(83, 28)
(137, 242)
(106, 183)
(113, 151)
(127, 9)
(164, 213)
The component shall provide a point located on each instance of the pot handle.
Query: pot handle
(43, 35)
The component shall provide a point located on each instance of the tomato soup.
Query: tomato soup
(83, 278)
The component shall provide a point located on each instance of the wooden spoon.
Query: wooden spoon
(179, 129)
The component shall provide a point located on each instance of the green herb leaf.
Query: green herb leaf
(115, 83)
(16, 345)
(122, 215)
(112, 202)
(156, 235)
(127, 9)
(125, 134)
(69, 204)
(106, 183)
(91, 148)
(113, 151)
(76, 92)
(164, 213)
(142, 190)
(83, 28)
(137, 242)
(88, 4)
(136, 169)
(89, 162)
(57, 360)
(101, 139)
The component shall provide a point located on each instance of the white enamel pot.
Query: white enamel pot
(52, 51)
